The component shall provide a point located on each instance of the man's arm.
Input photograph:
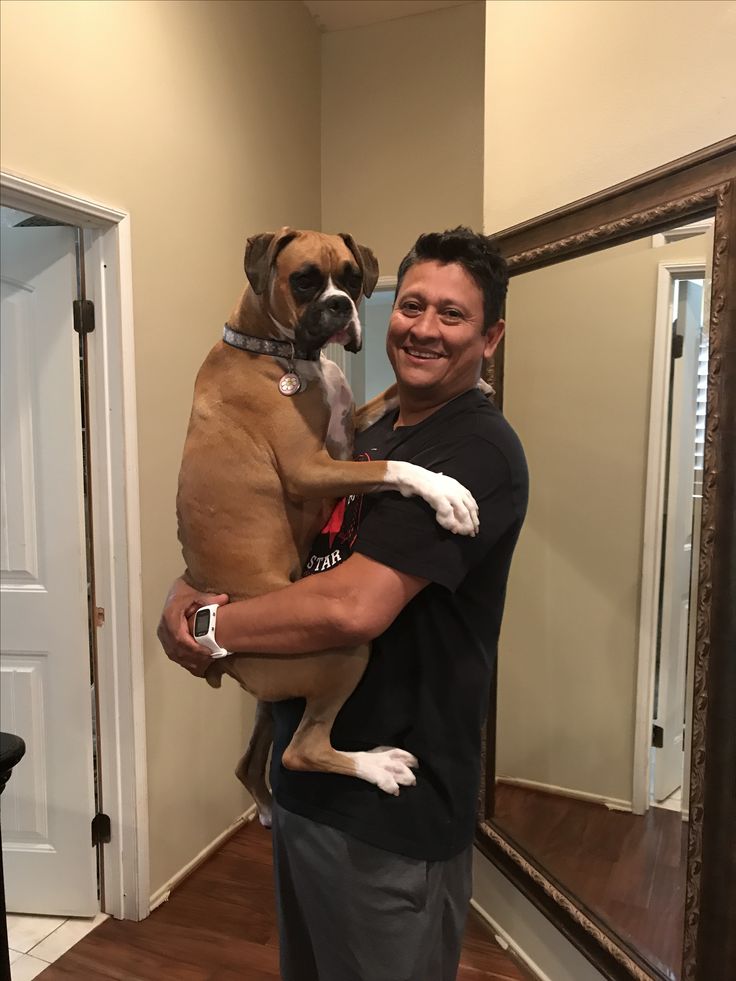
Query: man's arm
(343, 607)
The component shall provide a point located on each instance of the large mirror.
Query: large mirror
(620, 612)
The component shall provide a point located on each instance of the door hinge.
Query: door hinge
(657, 736)
(101, 830)
(99, 616)
(84, 316)
(678, 345)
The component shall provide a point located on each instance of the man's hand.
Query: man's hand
(173, 628)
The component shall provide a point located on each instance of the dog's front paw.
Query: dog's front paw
(455, 506)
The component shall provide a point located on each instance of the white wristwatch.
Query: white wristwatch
(204, 630)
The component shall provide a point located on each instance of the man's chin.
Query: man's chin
(419, 376)
(424, 388)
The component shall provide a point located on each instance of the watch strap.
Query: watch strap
(208, 640)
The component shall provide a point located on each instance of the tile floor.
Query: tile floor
(37, 941)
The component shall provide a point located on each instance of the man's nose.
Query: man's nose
(425, 325)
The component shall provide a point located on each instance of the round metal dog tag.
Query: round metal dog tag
(290, 383)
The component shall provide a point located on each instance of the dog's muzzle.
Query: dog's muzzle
(330, 319)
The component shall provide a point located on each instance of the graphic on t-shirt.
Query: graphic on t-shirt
(335, 542)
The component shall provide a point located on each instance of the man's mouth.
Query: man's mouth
(422, 355)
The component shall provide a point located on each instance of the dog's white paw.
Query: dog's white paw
(386, 767)
(455, 506)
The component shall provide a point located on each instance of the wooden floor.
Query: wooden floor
(628, 869)
(219, 925)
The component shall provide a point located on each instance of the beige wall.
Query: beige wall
(580, 96)
(202, 120)
(402, 129)
(578, 374)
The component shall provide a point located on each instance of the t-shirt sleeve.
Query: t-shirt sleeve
(403, 532)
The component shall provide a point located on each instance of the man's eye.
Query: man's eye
(453, 314)
(410, 306)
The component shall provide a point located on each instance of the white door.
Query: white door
(49, 802)
(668, 764)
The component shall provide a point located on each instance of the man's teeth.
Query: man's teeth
(428, 355)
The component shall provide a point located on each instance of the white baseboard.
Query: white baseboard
(612, 803)
(508, 943)
(161, 895)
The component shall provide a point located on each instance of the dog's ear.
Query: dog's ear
(260, 254)
(366, 260)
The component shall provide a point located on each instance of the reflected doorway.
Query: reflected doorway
(676, 446)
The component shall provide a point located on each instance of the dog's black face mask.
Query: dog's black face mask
(328, 309)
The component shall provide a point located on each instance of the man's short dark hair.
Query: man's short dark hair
(477, 254)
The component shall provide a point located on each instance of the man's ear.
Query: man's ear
(260, 255)
(366, 260)
(493, 338)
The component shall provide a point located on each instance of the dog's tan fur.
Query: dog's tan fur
(256, 485)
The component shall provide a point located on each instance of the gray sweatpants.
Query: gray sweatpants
(350, 912)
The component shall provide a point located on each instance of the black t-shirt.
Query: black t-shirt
(427, 682)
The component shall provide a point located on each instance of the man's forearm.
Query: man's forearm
(343, 607)
(299, 619)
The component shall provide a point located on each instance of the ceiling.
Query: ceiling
(340, 15)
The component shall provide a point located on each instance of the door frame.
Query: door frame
(652, 541)
(353, 366)
(116, 536)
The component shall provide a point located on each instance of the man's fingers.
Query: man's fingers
(173, 629)
(205, 599)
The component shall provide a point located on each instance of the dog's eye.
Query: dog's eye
(352, 280)
(305, 283)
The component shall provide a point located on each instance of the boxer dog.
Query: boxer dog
(266, 456)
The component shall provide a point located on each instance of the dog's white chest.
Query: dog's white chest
(340, 431)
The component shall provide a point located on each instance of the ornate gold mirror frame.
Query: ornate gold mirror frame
(699, 185)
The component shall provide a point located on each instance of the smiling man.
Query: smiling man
(372, 887)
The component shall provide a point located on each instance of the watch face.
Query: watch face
(201, 623)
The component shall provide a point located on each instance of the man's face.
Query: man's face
(434, 339)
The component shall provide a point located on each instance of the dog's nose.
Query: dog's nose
(338, 304)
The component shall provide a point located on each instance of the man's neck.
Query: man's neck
(412, 411)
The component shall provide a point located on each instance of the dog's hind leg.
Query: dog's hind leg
(251, 770)
(311, 749)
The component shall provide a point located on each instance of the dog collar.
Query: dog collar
(268, 345)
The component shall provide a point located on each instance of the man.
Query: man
(373, 887)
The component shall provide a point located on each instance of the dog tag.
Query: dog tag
(290, 383)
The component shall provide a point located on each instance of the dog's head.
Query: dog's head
(311, 284)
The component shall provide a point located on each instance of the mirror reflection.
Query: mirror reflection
(605, 382)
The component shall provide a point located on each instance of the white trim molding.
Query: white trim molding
(116, 522)
(162, 894)
(612, 803)
(19, 192)
(507, 942)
